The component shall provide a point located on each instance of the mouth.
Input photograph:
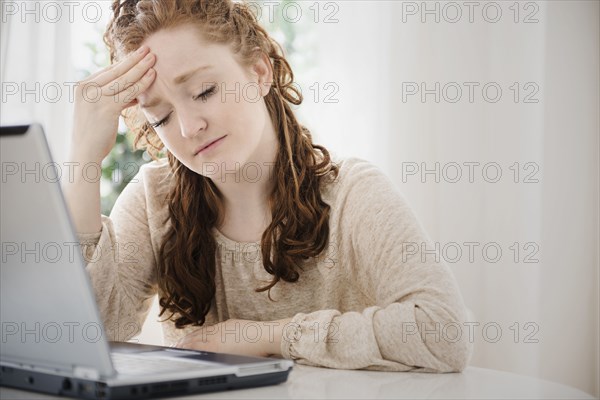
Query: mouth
(208, 145)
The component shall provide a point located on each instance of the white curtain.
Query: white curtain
(37, 73)
(380, 54)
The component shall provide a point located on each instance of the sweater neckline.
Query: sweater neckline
(233, 245)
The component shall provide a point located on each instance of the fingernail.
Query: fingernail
(142, 49)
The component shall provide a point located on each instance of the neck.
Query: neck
(246, 189)
(246, 197)
(241, 195)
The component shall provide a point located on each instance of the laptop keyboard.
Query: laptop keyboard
(126, 363)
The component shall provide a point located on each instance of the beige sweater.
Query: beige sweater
(381, 306)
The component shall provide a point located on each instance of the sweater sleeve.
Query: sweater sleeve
(121, 265)
(416, 317)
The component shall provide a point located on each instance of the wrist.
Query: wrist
(273, 342)
(83, 158)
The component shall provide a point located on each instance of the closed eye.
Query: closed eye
(202, 96)
(161, 122)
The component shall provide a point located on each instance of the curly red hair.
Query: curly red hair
(299, 229)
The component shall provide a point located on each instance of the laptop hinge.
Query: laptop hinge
(86, 373)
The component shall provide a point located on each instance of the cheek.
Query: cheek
(168, 141)
(247, 117)
(162, 138)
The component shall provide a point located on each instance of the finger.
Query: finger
(182, 345)
(93, 76)
(129, 95)
(121, 67)
(131, 77)
(189, 343)
(181, 341)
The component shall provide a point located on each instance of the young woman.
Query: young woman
(256, 241)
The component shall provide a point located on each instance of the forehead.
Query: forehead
(178, 49)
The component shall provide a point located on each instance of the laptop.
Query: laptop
(52, 339)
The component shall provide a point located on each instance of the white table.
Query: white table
(322, 383)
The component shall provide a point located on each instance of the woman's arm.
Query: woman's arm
(99, 100)
(416, 306)
(83, 197)
(120, 261)
(415, 309)
(121, 279)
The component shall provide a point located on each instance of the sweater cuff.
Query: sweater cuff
(94, 244)
(292, 333)
(94, 237)
(89, 238)
(306, 335)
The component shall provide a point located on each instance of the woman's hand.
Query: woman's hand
(100, 99)
(238, 336)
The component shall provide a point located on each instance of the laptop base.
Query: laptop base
(89, 389)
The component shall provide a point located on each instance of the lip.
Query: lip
(205, 146)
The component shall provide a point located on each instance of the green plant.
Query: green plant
(119, 168)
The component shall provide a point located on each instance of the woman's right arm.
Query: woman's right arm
(117, 250)
(99, 100)
(120, 259)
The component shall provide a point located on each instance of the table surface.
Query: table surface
(322, 383)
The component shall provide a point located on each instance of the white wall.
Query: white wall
(37, 76)
(372, 51)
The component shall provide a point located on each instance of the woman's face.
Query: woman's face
(201, 94)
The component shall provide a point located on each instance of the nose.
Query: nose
(190, 123)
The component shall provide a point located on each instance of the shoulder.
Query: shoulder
(366, 203)
(155, 171)
(148, 188)
(355, 169)
(157, 178)
(361, 183)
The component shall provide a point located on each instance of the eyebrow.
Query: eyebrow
(177, 81)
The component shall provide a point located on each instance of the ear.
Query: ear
(264, 72)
